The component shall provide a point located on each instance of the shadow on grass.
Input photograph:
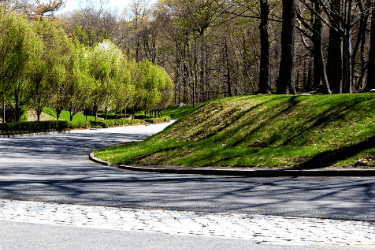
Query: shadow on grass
(328, 158)
(289, 125)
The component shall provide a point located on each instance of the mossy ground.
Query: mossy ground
(275, 131)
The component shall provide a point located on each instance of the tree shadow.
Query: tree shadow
(328, 158)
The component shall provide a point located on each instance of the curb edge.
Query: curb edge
(246, 173)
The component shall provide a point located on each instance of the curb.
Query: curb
(97, 160)
(241, 172)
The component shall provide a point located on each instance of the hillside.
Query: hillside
(277, 131)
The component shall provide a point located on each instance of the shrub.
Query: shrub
(48, 126)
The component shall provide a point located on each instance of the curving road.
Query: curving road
(55, 168)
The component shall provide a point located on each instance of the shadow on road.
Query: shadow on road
(56, 169)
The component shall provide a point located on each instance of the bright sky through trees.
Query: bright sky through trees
(116, 4)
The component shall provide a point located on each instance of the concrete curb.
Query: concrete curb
(240, 172)
(97, 160)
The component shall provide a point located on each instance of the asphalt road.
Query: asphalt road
(16, 235)
(56, 168)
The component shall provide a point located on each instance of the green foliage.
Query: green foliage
(280, 131)
(50, 126)
(20, 48)
(41, 67)
(32, 127)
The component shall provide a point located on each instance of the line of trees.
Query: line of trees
(40, 66)
(215, 48)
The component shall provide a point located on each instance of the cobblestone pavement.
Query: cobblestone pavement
(257, 228)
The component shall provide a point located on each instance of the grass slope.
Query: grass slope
(277, 131)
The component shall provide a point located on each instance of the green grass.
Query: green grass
(66, 116)
(176, 113)
(276, 131)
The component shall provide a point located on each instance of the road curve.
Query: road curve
(56, 168)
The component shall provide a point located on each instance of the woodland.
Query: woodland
(219, 48)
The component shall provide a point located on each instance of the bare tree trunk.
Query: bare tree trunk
(4, 111)
(347, 48)
(359, 45)
(371, 64)
(264, 79)
(285, 82)
(38, 114)
(317, 41)
(227, 67)
(334, 61)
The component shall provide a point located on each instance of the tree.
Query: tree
(313, 31)
(125, 91)
(341, 16)
(53, 49)
(20, 49)
(166, 88)
(285, 82)
(79, 80)
(264, 85)
(371, 64)
(106, 59)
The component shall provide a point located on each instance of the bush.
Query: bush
(33, 127)
(49, 126)
(102, 124)
(10, 113)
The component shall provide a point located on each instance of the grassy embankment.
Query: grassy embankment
(277, 131)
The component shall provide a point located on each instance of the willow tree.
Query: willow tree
(79, 80)
(125, 91)
(104, 68)
(42, 86)
(20, 48)
(166, 90)
(57, 55)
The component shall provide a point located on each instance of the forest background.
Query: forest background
(216, 48)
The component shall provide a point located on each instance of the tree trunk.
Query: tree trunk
(96, 112)
(334, 61)
(227, 67)
(317, 41)
(359, 46)
(347, 80)
(371, 64)
(285, 82)
(264, 79)
(4, 111)
(347, 48)
(38, 112)
(58, 113)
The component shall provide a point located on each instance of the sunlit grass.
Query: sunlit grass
(275, 131)
(66, 116)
